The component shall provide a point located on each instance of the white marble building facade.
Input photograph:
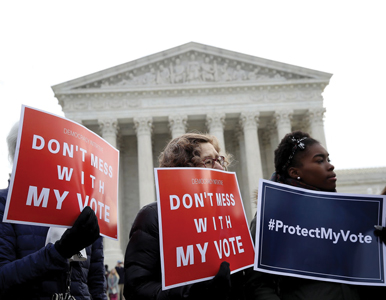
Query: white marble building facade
(248, 103)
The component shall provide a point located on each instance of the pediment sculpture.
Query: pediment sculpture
(190, 68)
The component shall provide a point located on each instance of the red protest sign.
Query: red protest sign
(59, 168)
(202, 223)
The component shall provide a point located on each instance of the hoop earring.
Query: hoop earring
(298, 178)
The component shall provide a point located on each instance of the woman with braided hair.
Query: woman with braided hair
(303, 162)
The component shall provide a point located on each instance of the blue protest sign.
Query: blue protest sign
(319, 235)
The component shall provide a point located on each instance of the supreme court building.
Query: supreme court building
(247, 102)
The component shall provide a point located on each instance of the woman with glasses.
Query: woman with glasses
(142, 258)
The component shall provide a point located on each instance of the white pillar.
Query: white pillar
(274, 141)
(268, 151)
(112, 249)
(249, 121)
(215, 123)
(178, 125)
(316, 124)
(243, 174)
(143, 127)
(283, 122)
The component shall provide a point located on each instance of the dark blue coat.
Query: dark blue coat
(31, 270)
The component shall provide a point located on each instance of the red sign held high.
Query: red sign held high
(59, 168)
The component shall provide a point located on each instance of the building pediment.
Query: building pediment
(192, 65)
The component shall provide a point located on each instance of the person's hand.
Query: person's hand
(380, 232)
(83, 233)
(216, 288)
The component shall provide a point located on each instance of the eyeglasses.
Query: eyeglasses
(210, 162)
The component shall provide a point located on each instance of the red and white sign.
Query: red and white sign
(59, 168)
(201, 223)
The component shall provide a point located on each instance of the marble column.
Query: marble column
(215, 122)
(242, 176)
(144, 128)
(268, 151)
(316, 124)
(249, 121)
(283, 122)
(274, 142)
(112, 249)
(178, 125)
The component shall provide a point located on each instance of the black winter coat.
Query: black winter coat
(143, 280)
(31, 270)
(263, 286)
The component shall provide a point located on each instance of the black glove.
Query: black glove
(216, 288)
(83, 233)
(380, 232)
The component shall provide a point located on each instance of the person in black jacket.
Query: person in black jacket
(300, 161)
(33, 268)
(142, 258)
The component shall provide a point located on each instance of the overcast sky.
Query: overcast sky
(44, 43)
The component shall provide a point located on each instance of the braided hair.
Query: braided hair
(290, 151)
